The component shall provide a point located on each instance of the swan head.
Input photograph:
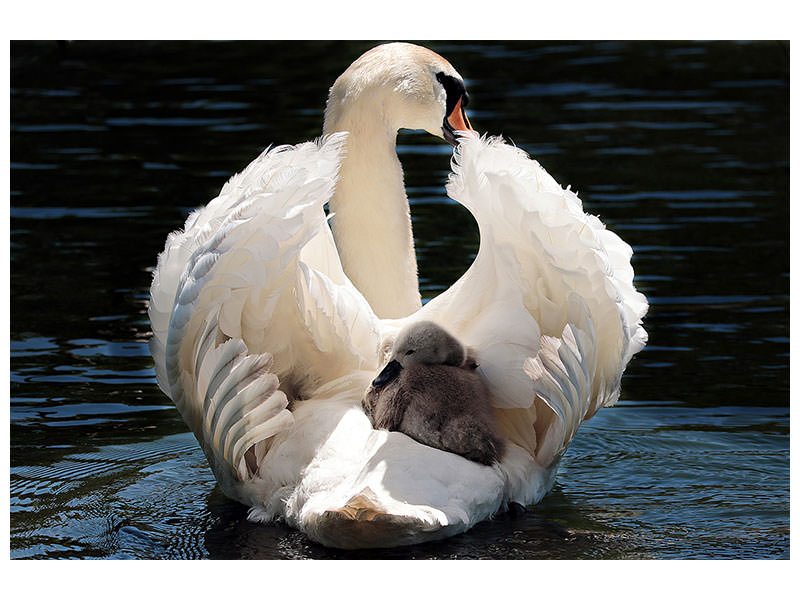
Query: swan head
(399, 86)
(422, 342)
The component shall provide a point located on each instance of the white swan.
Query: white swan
(265, 336)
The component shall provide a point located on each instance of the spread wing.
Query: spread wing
(549, 302)
(250, 308)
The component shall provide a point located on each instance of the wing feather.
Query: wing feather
(242, 324)
(549, 302)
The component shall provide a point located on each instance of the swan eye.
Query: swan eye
(454, 88)
(409, 352)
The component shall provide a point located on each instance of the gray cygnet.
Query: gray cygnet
(430, 391)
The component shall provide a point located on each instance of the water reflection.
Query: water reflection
(680, 147)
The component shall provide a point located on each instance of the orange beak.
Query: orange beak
(458, 118)
(456, 121)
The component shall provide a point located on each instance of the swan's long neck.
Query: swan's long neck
(372, 222)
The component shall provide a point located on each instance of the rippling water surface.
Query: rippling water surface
(681, 148)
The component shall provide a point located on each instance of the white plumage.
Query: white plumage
(266, 347)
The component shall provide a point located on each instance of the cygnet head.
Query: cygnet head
(427, 343)
(422, 342)
(396, 86)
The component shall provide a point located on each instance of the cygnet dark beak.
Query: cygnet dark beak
(390, 371)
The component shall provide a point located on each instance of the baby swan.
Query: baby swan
(429, 390)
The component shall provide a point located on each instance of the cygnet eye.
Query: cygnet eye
(409, 352)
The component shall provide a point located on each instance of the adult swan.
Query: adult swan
(268, 324)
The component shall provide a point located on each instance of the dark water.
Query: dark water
(681, 148)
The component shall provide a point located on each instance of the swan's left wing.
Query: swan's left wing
(250, 308)
(548, 303)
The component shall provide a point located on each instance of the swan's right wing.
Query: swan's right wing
(549, 302)
(250, 308)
